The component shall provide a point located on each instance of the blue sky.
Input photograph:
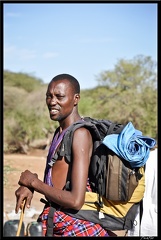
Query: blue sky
(81, 39)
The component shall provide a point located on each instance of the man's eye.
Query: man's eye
(48, 96)
(60, 97)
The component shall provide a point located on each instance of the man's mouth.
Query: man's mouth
(53, 111)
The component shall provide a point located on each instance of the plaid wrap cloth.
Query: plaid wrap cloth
(67, 226)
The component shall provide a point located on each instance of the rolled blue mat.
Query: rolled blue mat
(131, 145)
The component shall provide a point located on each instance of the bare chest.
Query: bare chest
(59, 173)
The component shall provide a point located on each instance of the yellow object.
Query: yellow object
(21, 218)
(114, 208)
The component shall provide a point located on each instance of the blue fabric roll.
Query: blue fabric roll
(131, 145)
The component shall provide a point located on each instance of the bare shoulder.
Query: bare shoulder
(83, 133)
(82, 141)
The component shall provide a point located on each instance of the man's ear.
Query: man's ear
(76, 99)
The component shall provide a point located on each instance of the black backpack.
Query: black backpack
(109, 175)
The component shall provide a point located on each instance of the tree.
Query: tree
(131, 93)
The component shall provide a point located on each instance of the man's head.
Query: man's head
(62, 96)
(73, 81)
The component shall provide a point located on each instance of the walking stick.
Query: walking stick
(21, 218)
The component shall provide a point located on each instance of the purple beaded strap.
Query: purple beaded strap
(55, 143)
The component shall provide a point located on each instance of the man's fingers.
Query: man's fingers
(19, 205)
(28, 202)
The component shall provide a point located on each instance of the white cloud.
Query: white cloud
(12, 14)
(14, 52)
(50, 55)
(97, 40)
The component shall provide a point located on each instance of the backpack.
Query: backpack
(113, 202)
(109, 175)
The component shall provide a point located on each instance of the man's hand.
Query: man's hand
(27, 178)
(21, 194)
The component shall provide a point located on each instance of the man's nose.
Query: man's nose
(53, 100)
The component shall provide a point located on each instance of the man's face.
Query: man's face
(60, 99)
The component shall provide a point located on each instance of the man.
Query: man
(62, 98)
(149, 221)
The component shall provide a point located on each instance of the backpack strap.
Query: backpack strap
(50, 222)
(66, 145)
(53, 207)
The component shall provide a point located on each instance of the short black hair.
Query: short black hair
(74, 82)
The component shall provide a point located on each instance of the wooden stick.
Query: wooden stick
(21, 218)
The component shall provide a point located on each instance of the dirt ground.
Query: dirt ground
(15, 164)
